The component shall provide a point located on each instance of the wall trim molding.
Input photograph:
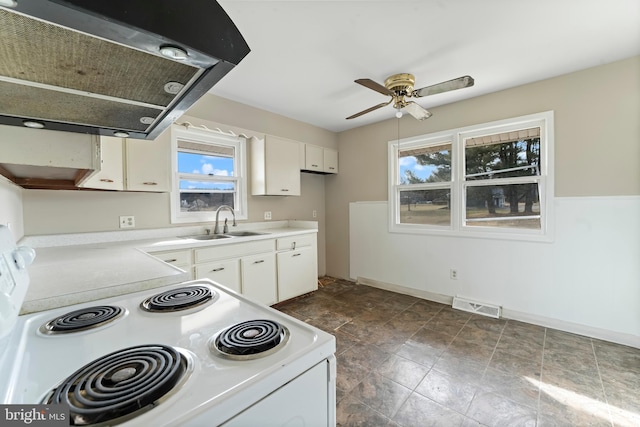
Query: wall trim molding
(547, 322)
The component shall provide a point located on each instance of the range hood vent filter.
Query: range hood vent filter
(86, 83)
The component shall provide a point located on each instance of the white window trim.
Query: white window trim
(213, 137)
(544, 120)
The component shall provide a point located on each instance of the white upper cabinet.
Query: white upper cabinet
(148, 164)
(110, 176)
(275, 167)
(330, 160)
(133, 165)
(314, 158)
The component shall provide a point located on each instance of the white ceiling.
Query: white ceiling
(305, 55)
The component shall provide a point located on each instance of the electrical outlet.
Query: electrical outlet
(315, 214)
(128, 221)
(267, 215)
(453, 274)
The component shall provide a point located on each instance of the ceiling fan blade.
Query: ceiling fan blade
(368, 110)
(459, 83)
(416, 111)
(368, 83)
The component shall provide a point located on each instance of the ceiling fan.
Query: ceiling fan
(400, 86)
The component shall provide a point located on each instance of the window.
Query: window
(208, 173)
(491, 180)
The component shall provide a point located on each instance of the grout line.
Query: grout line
(604, 392)
(544, 345)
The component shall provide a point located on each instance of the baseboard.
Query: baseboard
(574, 328)
(431, 296)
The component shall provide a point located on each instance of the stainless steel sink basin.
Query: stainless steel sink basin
(207, 237)
(243, 233)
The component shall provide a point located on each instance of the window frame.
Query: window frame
(205, 136)
(458, 227)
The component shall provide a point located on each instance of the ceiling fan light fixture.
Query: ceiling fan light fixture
(399, 86)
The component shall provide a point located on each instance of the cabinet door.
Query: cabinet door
(148, 164)
(282, 167)
(330, 160)
(226, 273)
(297, 273)
(259, 278)
(314, 158)
(111, 175)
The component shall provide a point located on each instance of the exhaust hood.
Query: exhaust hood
(117, 67)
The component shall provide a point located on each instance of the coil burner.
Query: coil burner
(83, 319)
(250, 340)
(122, 385)
(178, 299)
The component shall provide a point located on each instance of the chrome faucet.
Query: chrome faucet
(216, 229)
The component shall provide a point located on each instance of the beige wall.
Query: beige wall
(57, 212)
(597, 142)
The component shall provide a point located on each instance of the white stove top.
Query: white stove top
(35, 363)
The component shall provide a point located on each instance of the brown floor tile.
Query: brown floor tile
(520, 389)
(403, 371)
(381, 394)
(352, 413)
(516, 365)
(559, 409)
(419, 411)
(452, 392)
(492, 409)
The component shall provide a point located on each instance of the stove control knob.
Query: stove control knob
(23, 256)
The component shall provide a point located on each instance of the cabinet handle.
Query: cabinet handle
(150, 183)
(293, 246)
(217, 269)
(298, 254)
(106, 180)
(171, 260)
(332, 168)
(285, 189)
(315, 166)
(258, 261)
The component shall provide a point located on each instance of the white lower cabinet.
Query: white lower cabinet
(259, 278)
(297, 266)
(225, 272)
(267, 271)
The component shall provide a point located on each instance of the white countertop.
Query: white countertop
(71, 269)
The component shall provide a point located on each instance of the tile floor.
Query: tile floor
(404, 361)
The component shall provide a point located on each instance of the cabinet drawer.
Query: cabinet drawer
(178, 258)
(233, 250)
(286, 243)
(226, 273)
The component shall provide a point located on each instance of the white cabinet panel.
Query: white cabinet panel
(330, 160)
(259, 278)
(148, 165)
(297, 272)
(314, 158)
(226, 273)
(275, 168)
(111, 175)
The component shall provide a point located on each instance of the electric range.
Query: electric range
(191, 354)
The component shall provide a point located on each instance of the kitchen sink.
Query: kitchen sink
(207, 237)
(243, 233)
